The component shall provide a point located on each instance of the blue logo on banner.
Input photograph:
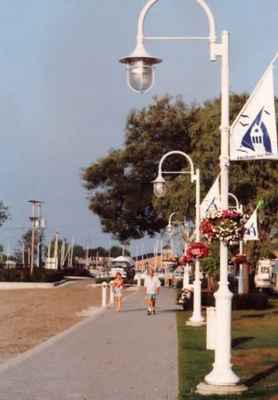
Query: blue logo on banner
(251, 231)
(256, 138)
(212, 205)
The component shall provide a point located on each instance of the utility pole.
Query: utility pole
(40, 227)
(23, 256)
(56, 250)
(36, 221)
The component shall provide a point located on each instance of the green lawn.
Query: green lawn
(255, 355)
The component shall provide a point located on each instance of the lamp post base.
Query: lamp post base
(195, 323)
(207, 390)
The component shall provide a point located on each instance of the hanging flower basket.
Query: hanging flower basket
(185, 260)
(240, 259)
(227, 225)
(197, 250)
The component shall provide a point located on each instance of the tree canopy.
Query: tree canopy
(4, 215)
(119, 185)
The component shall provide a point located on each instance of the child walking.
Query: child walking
(117, 286)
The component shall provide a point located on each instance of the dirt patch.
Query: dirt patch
(29, 317)
(255, 357)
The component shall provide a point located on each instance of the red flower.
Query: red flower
(197, 250)
(185, 260)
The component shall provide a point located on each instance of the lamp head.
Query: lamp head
(140, 69)
(169, 228)
(159, 186)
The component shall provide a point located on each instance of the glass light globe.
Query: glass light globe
(140, 76)
(159, 187)
(169, 228)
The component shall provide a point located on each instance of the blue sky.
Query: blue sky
(64, 100)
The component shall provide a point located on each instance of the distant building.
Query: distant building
(51, 263)
(164, 261)
(10, 264)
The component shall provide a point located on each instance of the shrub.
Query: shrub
(162, 281)
(24, 275)
(106, 279)
(250, 301)
(77, 272)
(179, 284)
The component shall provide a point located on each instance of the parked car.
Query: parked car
(115, 270)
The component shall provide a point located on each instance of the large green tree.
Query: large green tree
(119, 185)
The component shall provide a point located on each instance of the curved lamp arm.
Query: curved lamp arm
(170, 218)
(235, 199)
(141, 19)
(160, 171)
(211, 20)
(201, 3)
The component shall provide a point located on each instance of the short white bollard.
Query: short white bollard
(112, 299)
(104, 294)
(138, 280)
(185, 281)
(211, 328)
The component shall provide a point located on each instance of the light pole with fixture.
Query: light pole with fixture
(160, 189)
(239, 207)
(140, 76)
(169, 227)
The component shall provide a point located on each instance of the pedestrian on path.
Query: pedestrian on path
(117, 286)
(152, 287)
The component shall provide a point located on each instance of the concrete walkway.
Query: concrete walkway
(116, 356)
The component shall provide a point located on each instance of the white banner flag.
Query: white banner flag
(253, 134)
(212, 200)
(251, 228)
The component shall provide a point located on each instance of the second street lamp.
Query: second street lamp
(160, 189)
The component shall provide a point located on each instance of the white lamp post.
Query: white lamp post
(140, 78)
(160, 188)
(170, 226)
(239, 207)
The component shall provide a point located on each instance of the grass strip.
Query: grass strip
(255, 355)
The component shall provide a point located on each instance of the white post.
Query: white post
(112, 300)
(196, 318)
(138, 280)
(222, 373)
(240, 277)
(104, 294)
(211, 332)
(185, 282)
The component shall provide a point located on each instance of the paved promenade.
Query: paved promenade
(116, 356)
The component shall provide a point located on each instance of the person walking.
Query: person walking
(152, 288)
(117, 286)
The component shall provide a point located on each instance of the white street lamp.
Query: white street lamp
(239, 207)
(196, 319)
(169, 227)
(222, 374)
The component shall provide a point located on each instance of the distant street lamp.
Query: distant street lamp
(160, 190)
(169, 227)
